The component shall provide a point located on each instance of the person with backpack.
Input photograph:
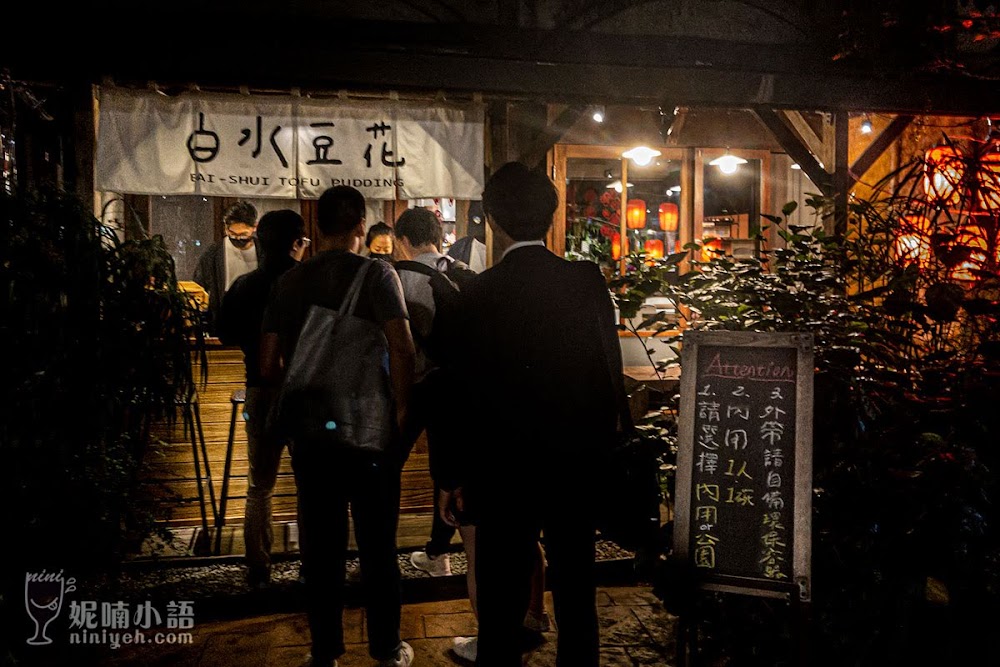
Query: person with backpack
(430, 286)
(336, 339)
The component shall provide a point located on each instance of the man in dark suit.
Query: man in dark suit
(225, 261)
(547, 382)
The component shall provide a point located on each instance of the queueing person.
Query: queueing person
(282, 242)
(380, 241)
(549, 400)
(331, 479)
(419, 236)
(226, 260)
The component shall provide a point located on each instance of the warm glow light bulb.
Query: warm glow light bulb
(727, 163)
(866, 126)
(598, 115)
(641, 155)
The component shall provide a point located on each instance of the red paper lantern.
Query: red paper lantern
(943, 174)
(669, 216)
(973, 238)
(988, 179)
(654, 249)
(914, 241)
(711, 248)
(616, 246)
(636, 214)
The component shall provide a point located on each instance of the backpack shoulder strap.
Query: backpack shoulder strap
(415, 267)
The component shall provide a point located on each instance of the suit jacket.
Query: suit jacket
(541, 366)
(211, 274)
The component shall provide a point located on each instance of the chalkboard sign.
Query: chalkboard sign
(744, 462)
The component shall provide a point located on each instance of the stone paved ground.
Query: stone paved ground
(635, 630)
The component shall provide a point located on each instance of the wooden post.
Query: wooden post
(622, 227)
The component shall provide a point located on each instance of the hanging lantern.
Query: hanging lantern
(910, 248)
(943, 169)
(711, 248)
(914, 241)
(636, 215)
(654, 249)
(669, 216)
(616, 246)
(973, 240)
(988, 181)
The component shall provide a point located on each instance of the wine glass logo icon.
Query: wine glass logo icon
(43, 600)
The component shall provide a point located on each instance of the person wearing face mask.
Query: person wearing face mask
(379, 242)
(227, 260)
(282, 241)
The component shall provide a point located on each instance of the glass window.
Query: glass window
(187, 225)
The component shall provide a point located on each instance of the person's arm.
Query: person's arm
(271, 368)
(402, 355)
(229, 328)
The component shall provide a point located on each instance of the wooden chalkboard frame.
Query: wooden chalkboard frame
(800, 585)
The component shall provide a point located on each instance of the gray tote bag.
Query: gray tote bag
(336, 389)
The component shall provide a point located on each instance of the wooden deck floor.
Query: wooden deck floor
(169, 476)
(413, 532)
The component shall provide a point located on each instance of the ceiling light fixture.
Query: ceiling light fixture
(728, 163)
(617, 185)
(641, 155)
(598, 114)
(866, 125)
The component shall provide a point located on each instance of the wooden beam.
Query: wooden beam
(841, 173)
(797, 150)
(493, 60)
(677, 127)
(817, 145)
(550, 136)
(875, 150)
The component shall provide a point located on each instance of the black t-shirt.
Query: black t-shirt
(324, 280)
(243, 312)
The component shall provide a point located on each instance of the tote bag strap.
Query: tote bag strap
(354, 291)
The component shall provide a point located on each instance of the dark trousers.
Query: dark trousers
(328, 482)
(506, 536)
(441, 533)
(425, 413)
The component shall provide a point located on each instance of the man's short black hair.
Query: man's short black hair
(420, 226)
(521, 201)
(242, 212)
(376, 230)
(340, 209)
(278, 231)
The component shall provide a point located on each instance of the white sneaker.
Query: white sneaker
(538, 622)
(466, 648)
(404, 657)
(439, 566)
(313, 663)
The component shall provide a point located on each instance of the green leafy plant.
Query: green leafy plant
(903, 429)
(98, 342)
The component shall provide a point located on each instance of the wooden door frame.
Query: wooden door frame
(556, 165)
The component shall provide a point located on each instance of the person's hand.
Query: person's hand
(451, 503)
(401, 416)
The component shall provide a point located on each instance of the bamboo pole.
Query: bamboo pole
(622, 227)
